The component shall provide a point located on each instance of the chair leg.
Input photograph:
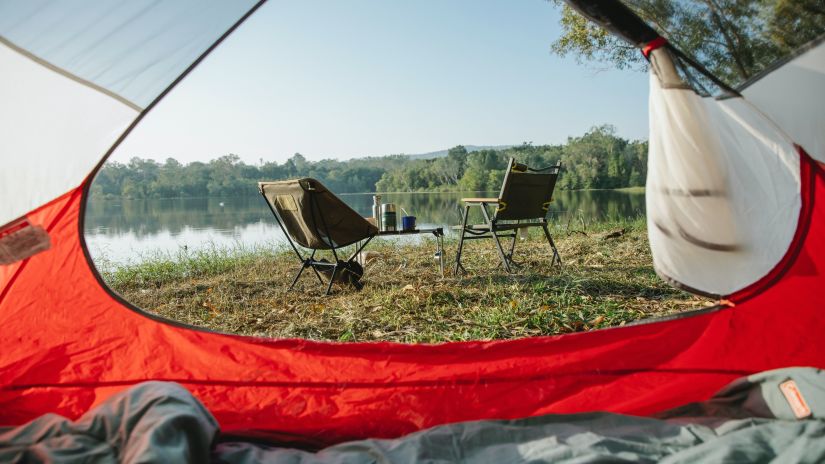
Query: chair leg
(332, 279)
(513, 246)
(556, 255)
(501, 251)
(300, 271)
(494, 233)
(461, 241)
(318, 275)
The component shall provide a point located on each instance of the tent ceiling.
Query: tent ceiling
(77, 74)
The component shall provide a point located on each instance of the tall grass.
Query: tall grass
(162, 268)
(607, 280)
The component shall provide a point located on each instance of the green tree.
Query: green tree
(168, 183)
(195, 180)
(225, 176)
(451, 167)
(477, 172)
(734, 39)
(595, 160)
(139, 177)
(598, 159)
(806, 17)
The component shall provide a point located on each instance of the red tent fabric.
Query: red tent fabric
(68, 343)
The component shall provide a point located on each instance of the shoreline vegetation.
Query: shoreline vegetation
(639, 189)
(607, 280)
(599, 159)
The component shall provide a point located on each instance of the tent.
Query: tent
(736, 202)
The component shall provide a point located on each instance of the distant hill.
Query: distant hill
(470, 149)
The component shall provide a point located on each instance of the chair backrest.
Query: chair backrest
(526, 193)
(313, 216)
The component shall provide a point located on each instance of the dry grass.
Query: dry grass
(604, 282)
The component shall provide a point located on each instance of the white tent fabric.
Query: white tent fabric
(723, 190)
(785, 95)
(66, 121)
(75, 75)
(133, 49)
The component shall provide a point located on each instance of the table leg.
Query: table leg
(461, 240)
(440, 244)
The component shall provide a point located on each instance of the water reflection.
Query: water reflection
(124, 230)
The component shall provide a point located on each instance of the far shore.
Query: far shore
(421, 192)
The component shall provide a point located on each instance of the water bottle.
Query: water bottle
(376, 210)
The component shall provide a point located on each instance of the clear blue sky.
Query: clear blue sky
(343, 79)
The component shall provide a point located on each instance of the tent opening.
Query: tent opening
(176, 226)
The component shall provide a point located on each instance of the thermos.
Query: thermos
(388, 221)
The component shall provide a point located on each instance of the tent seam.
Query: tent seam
(808, 194)
(57, 69)
(432, 383)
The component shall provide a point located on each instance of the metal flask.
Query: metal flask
(388, 220)
(376, 210)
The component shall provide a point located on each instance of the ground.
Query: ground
(607, 279)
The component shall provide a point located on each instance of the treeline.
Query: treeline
(229, 176)
(598, 159)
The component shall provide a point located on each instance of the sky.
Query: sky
(344, 79)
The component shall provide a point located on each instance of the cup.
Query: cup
(407, 222)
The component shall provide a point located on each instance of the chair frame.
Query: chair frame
(310, 261)
(492, 228)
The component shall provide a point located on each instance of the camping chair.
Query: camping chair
(523, 202)
(314, 218)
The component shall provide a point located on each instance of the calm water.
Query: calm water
(122, 231)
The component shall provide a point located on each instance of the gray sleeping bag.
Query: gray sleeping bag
(760, 418)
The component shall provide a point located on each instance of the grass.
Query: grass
(607, 280)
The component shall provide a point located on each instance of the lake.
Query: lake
(123, 231)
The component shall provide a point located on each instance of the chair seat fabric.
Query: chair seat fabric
(308, 210)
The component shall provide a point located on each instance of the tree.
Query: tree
(590, 43)
(636, 160)
(139, 177)
(477, 172)
(109, 181)
(168, 183)
(598, 159)
(733, 39)
(300, 162)
(225, 176)
(451, 167)
(807, 17)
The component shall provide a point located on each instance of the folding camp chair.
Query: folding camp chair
(314, 218)
(523, 202)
